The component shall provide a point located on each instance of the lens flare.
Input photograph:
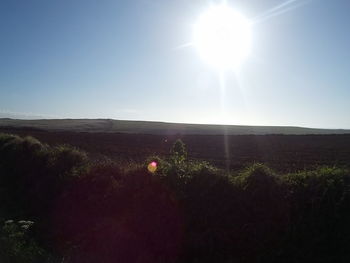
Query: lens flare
(152, 167)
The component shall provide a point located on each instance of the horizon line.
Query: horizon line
(172, 122)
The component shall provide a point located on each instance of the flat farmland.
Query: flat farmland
(281, 152)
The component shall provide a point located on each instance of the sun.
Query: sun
(222, 37)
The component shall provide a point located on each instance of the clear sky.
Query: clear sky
(125, 60)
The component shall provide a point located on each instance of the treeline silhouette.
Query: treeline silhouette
(58, 205)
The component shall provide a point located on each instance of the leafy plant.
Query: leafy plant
(17, 245)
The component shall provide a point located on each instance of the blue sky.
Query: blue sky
(121, 60)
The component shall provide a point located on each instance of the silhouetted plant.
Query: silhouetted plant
(185, 211)
(110, 216)
(178, 152)
(16, 244)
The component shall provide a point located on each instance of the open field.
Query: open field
(281, 152)
(159, 128)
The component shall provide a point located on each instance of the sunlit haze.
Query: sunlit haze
(284, 62)
(223, 37)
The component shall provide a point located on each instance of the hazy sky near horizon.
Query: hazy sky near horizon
(125, 60)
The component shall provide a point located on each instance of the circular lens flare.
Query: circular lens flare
(152, 167)
(223, 37)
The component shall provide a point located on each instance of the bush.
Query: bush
(184, 211)
(320, 212)
(31, 173)
(16, 244)
(32, 176)
(110, 216)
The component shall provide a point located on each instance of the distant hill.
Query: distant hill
(158, 128)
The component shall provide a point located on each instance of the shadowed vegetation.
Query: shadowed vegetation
(58, 205)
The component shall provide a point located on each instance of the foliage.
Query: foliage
(184, 211)
(17, 246)
(178, 152)
(109, 216)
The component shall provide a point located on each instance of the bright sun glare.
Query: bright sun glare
(223, 37)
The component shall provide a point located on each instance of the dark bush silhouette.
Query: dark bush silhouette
(184, 211)
(320, 212)
(108, 216)
(16, 245)
(32, 174)
(178, 152)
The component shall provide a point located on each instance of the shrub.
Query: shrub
(186, 210)
(68, 161)
(109, 216)
(32, 176)
(178, 152)
(320, 212)
(16, 244)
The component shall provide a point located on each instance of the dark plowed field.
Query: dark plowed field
(282, 152)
